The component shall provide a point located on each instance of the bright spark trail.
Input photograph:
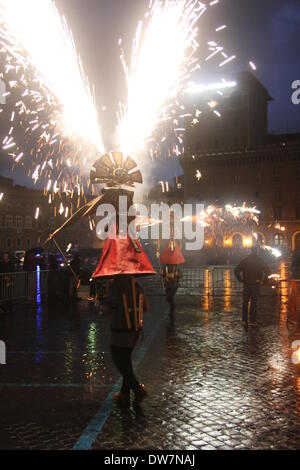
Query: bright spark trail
(54, 106)
(163, 58)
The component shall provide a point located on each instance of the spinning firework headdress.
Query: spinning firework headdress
(120, 256)
(114, 173)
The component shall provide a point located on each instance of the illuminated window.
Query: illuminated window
(278, 239)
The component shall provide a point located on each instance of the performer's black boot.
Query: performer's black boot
(140, 394)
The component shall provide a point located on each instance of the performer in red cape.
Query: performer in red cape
(171, 258)
(121, 262)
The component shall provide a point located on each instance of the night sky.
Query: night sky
(265, 31)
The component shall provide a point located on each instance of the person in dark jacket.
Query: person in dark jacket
(251, 272)
(171, 277)
(7, 268)
(126, 303)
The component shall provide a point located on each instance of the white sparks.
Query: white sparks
(230, 59)
(273, 251)
(198, 175)
(162, 51)
(201, 88)
(44, 34)
(221, 28)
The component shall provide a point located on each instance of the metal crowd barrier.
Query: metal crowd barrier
(23, 287)
(33, 286)
(208, 281)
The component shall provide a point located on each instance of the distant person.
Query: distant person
(7, 268)
(171, 278)
(29, 262)
(251, 272)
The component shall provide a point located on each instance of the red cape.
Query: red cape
(170, 257)
(119, 258)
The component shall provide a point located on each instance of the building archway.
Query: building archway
(296, 241)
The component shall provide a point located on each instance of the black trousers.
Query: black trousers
(170, 296)
(123, 361)
(250, 294)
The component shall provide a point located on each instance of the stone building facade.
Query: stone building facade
(23, 227)
(233, 159)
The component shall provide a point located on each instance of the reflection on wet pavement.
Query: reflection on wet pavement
(211, 384)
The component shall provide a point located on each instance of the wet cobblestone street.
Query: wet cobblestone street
(211, 384)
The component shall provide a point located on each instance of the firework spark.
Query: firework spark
(162, 58)
(45, 36)
(273, 251)
(51, 106)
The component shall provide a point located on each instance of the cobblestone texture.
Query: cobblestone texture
(211, 384)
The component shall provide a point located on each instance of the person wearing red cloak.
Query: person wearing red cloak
(121, 262)
(171, 258)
